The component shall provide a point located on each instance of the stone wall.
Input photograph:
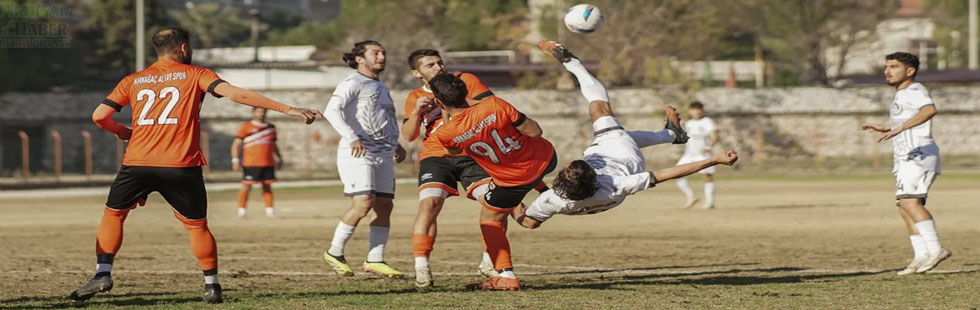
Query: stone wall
(801, 126)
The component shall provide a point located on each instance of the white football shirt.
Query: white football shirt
(361, 108)
(699, 131)
(618, 164)
(907, 103)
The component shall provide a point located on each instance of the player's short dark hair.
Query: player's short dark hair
(577, 181)
(169, 40)
(449, 89)
(696, 105)
(413, 59)
(358, 50)
(905, 58)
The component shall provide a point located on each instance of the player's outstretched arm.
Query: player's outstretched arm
(875, 127)
(925, 114)
(251, 98)
(726, 158)
(103, 118)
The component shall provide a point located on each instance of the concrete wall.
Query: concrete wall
(776, 129)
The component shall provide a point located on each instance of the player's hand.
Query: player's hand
(728, 158)
(279, 162)
(308, 115)
(357, 149)
(889, 135)
(400, 154)
(236, 166)
(873, 127)
(424, 104)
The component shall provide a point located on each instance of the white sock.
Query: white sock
(242, 212)
(927, 229)
(685, 188)
(340, 237)
(376, 244)
(918, 246)
(270, 211)
(421, 262)
(508, 274)
(486, 259)
(100, 268)
(648, 138)
(212, 279)
(592, 89)
(709, 193)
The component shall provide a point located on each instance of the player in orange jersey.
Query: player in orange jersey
(260, 161)
(439, 171)
(509, 146)
(164, 153)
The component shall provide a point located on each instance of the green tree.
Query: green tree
(215, 25)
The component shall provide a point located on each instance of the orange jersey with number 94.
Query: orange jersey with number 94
(166, 100)
(488, 133)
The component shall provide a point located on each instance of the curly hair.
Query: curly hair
(576, 182)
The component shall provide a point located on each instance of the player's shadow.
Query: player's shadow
(645, 269)
(696, 278)
(100, 301)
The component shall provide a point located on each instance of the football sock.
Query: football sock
(267, 197)
(422, 245)
(103, 268)
(486, 256)
(918, 246)
(927, 229)
(421, 262)
(648, 138)
(495, 239)
(242, 198)
(340, 236)
(709, 193)
(376, 244)
(211, 276)
(109, 237)
(508, 273)
(202, 242)
(685, 188)
(592, 89)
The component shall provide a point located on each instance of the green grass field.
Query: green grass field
(775, 242)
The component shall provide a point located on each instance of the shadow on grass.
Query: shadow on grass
(696, 278)
(642, 269)
(100, 301)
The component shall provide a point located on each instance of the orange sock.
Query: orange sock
(109, 238)
(267, 197)
(242, 198)
(422, 245)
(495, 241)
(202, 242)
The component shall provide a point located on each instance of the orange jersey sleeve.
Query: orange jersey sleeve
(488, 133)
(166, 100)
(119, 97)
(259, 143)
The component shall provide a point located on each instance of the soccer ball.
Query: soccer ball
(583, 18)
